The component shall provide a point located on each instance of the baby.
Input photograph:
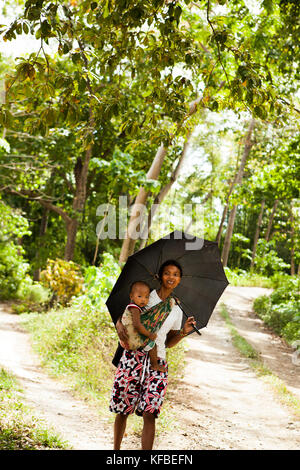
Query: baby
(139, 297)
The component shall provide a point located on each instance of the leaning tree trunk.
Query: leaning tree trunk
(225, 210)
(270, 223)
(226, 207)
(139, 204)
(257, 232)
(163, 192)
(129, 241)
(292, 242)
(43, 229)
(230, 226)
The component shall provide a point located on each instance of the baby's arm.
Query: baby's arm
(136, 320)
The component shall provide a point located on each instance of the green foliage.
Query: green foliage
(240, 277)
(124, 88)
(31, 296)
(63, 278)
(98, 283)
(266, 261)
(19, 428)
(281, 310)
(13, 267)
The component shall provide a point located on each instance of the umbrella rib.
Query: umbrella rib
(143, 266)
(160, 258)
(203, 277)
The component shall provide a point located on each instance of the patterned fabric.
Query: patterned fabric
(137, 387)
(134, 338)
(152, 319)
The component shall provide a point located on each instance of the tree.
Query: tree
(95, 90)
(122, 78)
(247, 148)
(257, 232)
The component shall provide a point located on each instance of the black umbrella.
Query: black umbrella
(202, 283)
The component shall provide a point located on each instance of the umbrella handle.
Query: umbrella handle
(196, 329)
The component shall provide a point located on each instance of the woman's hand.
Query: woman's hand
(188, 326)
(122, 332)
(153, 336)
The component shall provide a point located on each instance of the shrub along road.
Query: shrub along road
(220, 403)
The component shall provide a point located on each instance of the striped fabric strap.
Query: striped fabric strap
(134, 305)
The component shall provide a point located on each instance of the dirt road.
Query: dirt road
(220, 402)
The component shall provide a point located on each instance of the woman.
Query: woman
(137, 387)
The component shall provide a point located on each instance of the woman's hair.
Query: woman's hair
(169, 262)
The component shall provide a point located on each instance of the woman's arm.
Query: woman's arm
(121, 330)
(136, 321)
(174, 336)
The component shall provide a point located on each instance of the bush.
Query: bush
(98, 283)
(64, 279)
(262, 305)
(280, 279)
(266, 260)
(13, 267)
(281, 310)
(240, 277)
(13, 270)
(31, 296)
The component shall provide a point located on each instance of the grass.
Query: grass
(19, 428)
(248, 279)
(256, 363)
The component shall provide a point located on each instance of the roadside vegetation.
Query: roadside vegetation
(281, 310)
(19, 428)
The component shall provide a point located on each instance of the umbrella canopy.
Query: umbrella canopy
(202, 283)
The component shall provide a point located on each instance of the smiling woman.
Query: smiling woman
(137, 387)
(170, 274)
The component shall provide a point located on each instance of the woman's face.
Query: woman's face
(170, 277)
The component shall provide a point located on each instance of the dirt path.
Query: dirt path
(220, 403)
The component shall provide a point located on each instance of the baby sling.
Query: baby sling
(153, 318)
(152, 321)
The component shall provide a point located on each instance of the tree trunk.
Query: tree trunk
(81, 175)
(270, 223)
(71, 228)
(257, 232)
(43, 229)
(129, 242)
(226, 207)
(139, 205)
(99, 235)
(293, 270)
(225, 210)
(229, 231)
(163, 192)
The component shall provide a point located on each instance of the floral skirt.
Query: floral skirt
(137, 387)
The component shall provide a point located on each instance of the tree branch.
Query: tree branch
(45, 203)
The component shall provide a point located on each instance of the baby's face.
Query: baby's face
(140, 295)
